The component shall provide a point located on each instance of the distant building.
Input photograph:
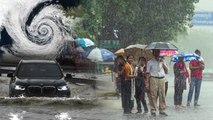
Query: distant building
(203, 15)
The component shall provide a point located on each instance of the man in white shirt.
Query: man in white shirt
(156, 70)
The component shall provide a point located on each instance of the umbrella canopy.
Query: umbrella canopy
(84, 42)
(120, 52)
(138, 50)
(135, 46)
(168, 53)
(99, 54)
(161, 46)
(188, 56)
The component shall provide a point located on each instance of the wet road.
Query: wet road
(105, 109)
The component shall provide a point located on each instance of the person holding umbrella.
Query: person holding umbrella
(196, 67)
(120, 77)
(181, 74)
(156, 70)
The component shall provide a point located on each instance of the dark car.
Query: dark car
(38, 78)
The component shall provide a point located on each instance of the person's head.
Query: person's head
(180, 58)
(198, 52)
(156, 53)
(142, 60)
(130, 58)
(121, 59)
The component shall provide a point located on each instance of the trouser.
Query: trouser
(178, 95)
(140, 94)
(143, 101)
(195, 84)
(128, 103)
(118, 84)
(122, 92)
(166, 87)
(157, 90)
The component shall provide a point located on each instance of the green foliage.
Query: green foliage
(138, 21)
(75, 11)
(145, 21)
(91, 13)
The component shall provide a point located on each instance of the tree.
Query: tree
(91, 13)
(137, 21)
(145, 21)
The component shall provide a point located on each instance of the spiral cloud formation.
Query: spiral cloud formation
(34, 28)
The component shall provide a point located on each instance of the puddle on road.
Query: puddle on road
(75, 101)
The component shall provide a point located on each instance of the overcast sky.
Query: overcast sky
(204, 5)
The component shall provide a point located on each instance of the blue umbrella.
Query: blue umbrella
(84, 42)
(99, 54)
(188, 56)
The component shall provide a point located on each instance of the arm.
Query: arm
(165, 68)
(147, 76)
(190, 72)
(191, 67)
(120, 72)
(128, 71)
(201, 65)
(146, 81)
(189, 78)
(139, 71)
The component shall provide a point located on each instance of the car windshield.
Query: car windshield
(39, 71)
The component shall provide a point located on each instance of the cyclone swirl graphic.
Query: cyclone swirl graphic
(35, 28)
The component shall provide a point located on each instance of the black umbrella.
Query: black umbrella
(161, 46)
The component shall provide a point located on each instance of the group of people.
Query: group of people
(148, 78)
(195, 79)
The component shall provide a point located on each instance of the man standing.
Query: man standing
(196, 67)
(120, 78)
(156, 70)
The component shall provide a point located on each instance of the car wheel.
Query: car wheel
(11, 93)
(67, 96)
